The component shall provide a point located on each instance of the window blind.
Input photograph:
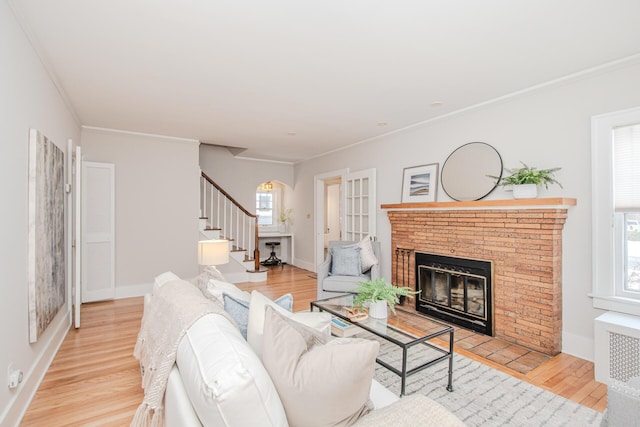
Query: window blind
(626, 158)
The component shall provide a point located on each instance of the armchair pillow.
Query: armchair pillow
(320, 381)
(367, 256)
(345, 261)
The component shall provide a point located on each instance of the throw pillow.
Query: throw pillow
(201, 280)
(345, 261)
(321, 382)
(321, 321)
(367, 257)
(239, 309)
(216, 288)
(225, 381)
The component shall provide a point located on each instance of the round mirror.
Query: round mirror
(465, 173)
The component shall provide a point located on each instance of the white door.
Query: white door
(77, 233)
(359, 205)
(320, 211)
(332, 218)
(98, 231)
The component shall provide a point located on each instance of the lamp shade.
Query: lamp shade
(213, 252)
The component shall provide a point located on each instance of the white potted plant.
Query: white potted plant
(380, 295)
(525, 180)
(284, 219)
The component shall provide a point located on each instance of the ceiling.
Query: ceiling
(288, 80)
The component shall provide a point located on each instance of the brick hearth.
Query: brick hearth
(525, 246)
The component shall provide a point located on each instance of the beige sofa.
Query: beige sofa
(219, 380)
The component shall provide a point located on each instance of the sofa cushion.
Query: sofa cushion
(320, 381)
(345, 261)
(238, 308)
(226, 382)
(320, 321)
(414, 410)
(343, 283)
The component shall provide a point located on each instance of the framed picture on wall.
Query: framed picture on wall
(420, 183)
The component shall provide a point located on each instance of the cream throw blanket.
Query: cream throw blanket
(166, 318)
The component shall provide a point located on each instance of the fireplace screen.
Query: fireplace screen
(455, 289)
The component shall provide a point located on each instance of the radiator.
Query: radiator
(617, 352)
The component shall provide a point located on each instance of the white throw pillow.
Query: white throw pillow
(226, 382)
(367, 257)
(320, 381)
(321, 321)
(217, 287)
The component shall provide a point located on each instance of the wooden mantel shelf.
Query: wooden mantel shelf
(555, 202)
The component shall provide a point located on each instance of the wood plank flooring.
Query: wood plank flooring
(94, 379)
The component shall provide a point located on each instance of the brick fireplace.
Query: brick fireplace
(523, 241)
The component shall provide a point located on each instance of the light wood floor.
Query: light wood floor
(94, 379)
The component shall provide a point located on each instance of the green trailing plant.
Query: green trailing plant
(528, 175)
(378, 290)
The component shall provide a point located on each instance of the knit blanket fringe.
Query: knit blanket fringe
(166, 318)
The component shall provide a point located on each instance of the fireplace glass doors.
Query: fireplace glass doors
(457, 290)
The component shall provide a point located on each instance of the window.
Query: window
(626, 159)
(615, 151)
(264, 207)
(269, 199)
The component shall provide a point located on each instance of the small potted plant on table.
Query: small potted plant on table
(379, 294)
(525, 180)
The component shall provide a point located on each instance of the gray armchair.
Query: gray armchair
(331, 285)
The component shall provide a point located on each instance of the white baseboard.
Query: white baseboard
(131, 291)
(578, 346)
(306, 265)
(31, 380)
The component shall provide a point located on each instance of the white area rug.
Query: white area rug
(483, 396)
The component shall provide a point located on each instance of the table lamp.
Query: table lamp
(213, 252)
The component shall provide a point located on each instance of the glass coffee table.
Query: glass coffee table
(406, 330)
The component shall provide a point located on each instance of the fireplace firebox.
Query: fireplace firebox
(456, 290)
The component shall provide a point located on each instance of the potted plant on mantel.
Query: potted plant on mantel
(525, 180)
(379, 294)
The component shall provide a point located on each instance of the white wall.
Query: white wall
(548, 127)
(29, 100)
(241, 177)
(157, 204)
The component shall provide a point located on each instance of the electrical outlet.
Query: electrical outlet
(15, 376)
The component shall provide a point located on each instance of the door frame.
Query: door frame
(319, 204)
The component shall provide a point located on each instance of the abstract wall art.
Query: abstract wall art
(46, 258)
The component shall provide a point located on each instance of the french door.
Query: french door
(359, 203)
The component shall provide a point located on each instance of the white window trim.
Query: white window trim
(603, 224)
(275, 211)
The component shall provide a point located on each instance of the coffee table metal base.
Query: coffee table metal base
(335, 306)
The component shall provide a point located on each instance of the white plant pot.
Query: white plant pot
(525, 191)
(378, 310)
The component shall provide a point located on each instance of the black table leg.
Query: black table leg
(450, 385)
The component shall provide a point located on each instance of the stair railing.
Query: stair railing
(227, 215)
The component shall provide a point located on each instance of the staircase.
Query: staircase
(222, 217)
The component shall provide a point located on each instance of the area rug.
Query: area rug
(482, 395)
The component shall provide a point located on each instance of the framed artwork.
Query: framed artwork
(420, 184)
(46, 258)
